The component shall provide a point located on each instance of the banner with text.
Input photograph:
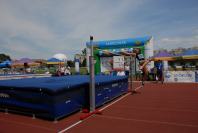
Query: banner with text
(179, 76)
(118, 62)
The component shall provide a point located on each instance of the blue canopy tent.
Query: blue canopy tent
(163, 54)
(5, 64)
(190, 52)
(54, 61)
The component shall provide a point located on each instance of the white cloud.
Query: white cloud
(40, 22)
(196, 37)
(174, 42)
(19, 50)
(196, 31)
(41, 28)
(15, 25)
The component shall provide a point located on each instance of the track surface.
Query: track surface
(159, 108)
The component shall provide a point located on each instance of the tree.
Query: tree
(4, 57)
(84, 52)
(84, 63)
(70, 63)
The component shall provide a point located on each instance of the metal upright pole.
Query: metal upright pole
(162, 78)
(135, 68)
(92, 78)
(131, 75)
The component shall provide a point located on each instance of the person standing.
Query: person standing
(159, 71)
(120, 73)
(67, 71)
(155, 78)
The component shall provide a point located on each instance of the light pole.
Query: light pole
(131, 73)
(92, 78)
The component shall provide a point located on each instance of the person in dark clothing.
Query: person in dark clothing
(159, 67)
(155, 73)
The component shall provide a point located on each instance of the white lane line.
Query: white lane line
(114, 102)
(157, 109)
(149, 121)
(75, 124)
(138, 88)
(26, 124)
(118, 100)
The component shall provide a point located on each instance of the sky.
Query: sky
(42, 28)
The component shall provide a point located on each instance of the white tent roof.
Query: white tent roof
(61, 57)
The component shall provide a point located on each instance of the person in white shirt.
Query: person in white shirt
(120, 73)
(67, 71)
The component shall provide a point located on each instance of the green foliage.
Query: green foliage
(70, 63)
(84, 51)
(39, 71)
(4, 57)
(52, 70)
(84, 64)
(83, 71)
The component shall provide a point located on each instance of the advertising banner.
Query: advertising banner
(179, 76)
(121, 43)
(106, 64)
(118, 62)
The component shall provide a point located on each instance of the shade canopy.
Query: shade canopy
(54, 61)
(61, 57)
(6, 63)
(190, 52)
(163, 54)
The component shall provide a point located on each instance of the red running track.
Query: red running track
(163, 108)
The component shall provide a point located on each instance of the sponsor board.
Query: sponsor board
(106, 64)
(4, 95)
(179, 76)
(118, 62)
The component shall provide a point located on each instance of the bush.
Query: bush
(83, 71)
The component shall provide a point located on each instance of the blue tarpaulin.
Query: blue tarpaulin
(6, 63)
